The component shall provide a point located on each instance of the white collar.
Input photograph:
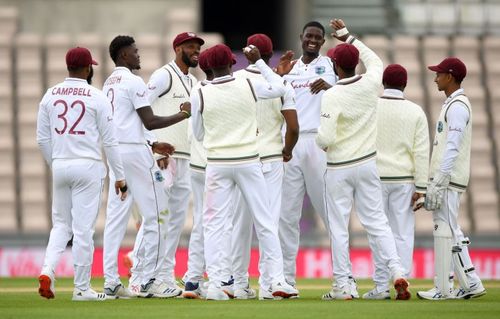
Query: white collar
(75, 79)
(452, 95)
(222, 78)
(393, 93)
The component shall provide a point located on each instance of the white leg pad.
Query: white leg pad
(462, 263)
(442, 256)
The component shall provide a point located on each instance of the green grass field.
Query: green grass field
(19, 299)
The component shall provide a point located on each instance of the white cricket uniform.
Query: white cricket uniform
(348, 132)
(270, 145)
(451, 155)
(403, 166)
(127, 93)
(304, 172)
(224, 117)
(73, 119)
(168, 89)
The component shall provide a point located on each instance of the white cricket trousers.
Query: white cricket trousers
(397, 207)
(241, 242)
(145, 187)
(448, 213)
(360, 185)
(196, 257)
(303, 173)
(177, 205)
(77, 187)
(220, 183)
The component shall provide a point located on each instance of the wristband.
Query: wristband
(341, 32)
(123, 189)
(186, 112)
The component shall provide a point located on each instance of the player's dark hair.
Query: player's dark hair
(118, 43)
(315, 24)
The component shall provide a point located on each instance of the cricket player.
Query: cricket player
(169, 87)
(449, 176)
(311, 75)
(271, 115)
(403, 166)
(224, 117)
(193, 278)
(348, 134)
(128, 95)
(73, 119)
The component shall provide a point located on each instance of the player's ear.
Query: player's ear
(301, 36)
(322, 42)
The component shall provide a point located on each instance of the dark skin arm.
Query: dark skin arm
(153, 122)
(319, 85)
(292, 133)
(414, 198)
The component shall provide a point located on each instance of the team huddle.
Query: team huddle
(248, 145)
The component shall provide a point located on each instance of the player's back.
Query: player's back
(126, 92)
(73, 109)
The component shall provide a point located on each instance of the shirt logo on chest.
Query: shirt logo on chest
(179, 96)
(319, 70)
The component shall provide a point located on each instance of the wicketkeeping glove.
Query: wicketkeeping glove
(435, 191)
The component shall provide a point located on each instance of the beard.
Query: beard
(90, 76)
(187, 61)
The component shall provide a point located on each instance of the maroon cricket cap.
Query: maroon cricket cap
(345, 55)
(187, 36)
(395, 75)
(203, 60)
(451, 65)
(79, 57)
(262, 42)
(219, 56)
(329, 53)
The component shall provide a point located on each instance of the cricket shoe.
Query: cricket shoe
(475, 291)
(245, 293)
(228, 287)
(46, 286)
(192, 290)
(88, 295)
(283, 290)
(159, 289)
(339, 293)
(118, 292)
(434, 294)
(401, 286)
(266, 294)
(375, 295)
(354, 287)
(214, 293)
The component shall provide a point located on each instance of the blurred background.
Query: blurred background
(35, 35)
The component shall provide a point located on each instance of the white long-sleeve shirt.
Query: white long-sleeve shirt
(402, 141)
(74, 120)
(348, 126)
(272, 88)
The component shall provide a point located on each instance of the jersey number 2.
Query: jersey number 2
(62, 116)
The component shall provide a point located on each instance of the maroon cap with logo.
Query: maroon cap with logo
(345, 55)
(79, 57)
(453, 66)
(219, 56)
(187, 36)
(395, 75)
(262, 42)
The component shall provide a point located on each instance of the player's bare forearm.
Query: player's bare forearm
(153, 122)
(291, 134)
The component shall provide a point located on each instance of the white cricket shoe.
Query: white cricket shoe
(475, 291)
(118, 292)
(228, 288)
(433, 294)
(375, 295)
(245, 293)
(266, 294)
(340, 293)
(214, 293)
(88, 295)
(46, 287)
(354, 288)
(158, 289)
(284, 290)
(193, 290)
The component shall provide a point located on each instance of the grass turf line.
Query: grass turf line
(19, 299)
